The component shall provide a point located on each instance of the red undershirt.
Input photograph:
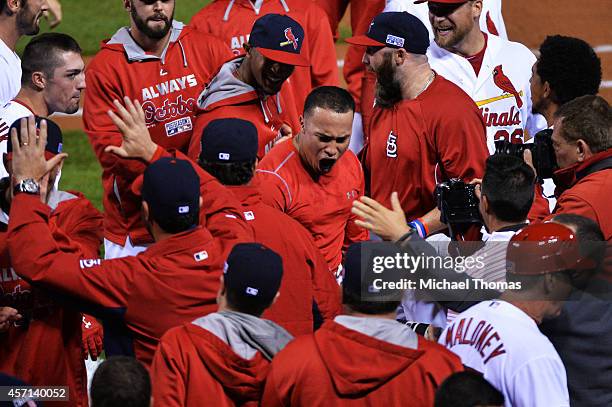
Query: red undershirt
(476, 60)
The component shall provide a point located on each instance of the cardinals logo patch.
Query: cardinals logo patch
(290, 39)
(503, 82)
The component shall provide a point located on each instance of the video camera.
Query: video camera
(457, 202)
(541, 149)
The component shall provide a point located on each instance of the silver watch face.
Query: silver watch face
(29, 186)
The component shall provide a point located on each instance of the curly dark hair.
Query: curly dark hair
(570, 66)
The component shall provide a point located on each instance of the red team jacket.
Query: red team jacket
(232, 21)
(337, 366)
(322, 206)
(307, 281)
(172, 282)
(417, 143)
(167, 89)
(208, 367)
(228, 97)
(44, 348)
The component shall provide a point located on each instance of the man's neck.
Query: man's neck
(471, 45)
(244, 74)
(34, 100)
(150, 45)
(416, 81)
(534, 308)
(549, 113)
(9, 32)
(496, 224)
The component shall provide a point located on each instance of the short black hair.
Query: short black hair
(121, 381)
(233, 173)
(570, 66)
(588, 118)
(330, 98)
(508, 184)
(467, 389)
(42, 54)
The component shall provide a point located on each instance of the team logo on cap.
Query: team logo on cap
(183, 209)
(393, 40)
(252, 291)
(290, 39)
(224, 156)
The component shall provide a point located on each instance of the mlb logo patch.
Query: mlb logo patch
(201, 256)
(249, 215)
(252, 291)
(393, 40)
(224, 156)
(183, 209)
(178, 126)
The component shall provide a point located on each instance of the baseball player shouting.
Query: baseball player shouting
(232, 21)
(424, 129)
(314, 179)
(501, 338)
(164, 64)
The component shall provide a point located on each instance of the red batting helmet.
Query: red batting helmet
(543, 248)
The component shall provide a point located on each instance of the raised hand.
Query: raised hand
(389, 224)
(130, 120)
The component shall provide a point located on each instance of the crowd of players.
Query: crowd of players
(242, 184)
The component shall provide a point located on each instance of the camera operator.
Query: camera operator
(582, 141)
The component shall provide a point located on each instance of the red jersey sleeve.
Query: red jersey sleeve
(326, 290)
(49, 263)
(275, 190)
(460, 141)
(354, 233)
(572, 203)
(539, 208)
(169, 387)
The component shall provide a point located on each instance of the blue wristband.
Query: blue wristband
(419, 226)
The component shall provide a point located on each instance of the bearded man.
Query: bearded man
(424, 129)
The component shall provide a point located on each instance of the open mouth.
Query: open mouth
(326, 164)
(444, 30)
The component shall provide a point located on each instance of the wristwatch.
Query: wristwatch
(28, 186)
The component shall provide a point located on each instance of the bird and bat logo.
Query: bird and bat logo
(291, 39)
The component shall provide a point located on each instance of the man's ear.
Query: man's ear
(583, 150)
(127, 4)
(13, 6)
(485, 203)
(275, 298)
(302, 121)
(39, 80)
(201, 202)
(476, 9)
(547, 93)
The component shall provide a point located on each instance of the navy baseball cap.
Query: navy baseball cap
(253, 272)
(54, 136)
(229, 141)
(397, 29)
(171, 188)
(279, 38)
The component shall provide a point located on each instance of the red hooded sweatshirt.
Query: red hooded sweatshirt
(338, 366)
(232, 21)
(215, 361)
(229, 97)
(44, 347)
(307, 282)
(167, 87)
(172, 282)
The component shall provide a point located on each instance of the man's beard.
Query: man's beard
(26, 21)
(388, 89)
(451, 41)
(142, 26)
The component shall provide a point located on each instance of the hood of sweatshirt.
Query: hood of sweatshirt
(359, 362)
(122, 41)
(225, 89)
(254, 342)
